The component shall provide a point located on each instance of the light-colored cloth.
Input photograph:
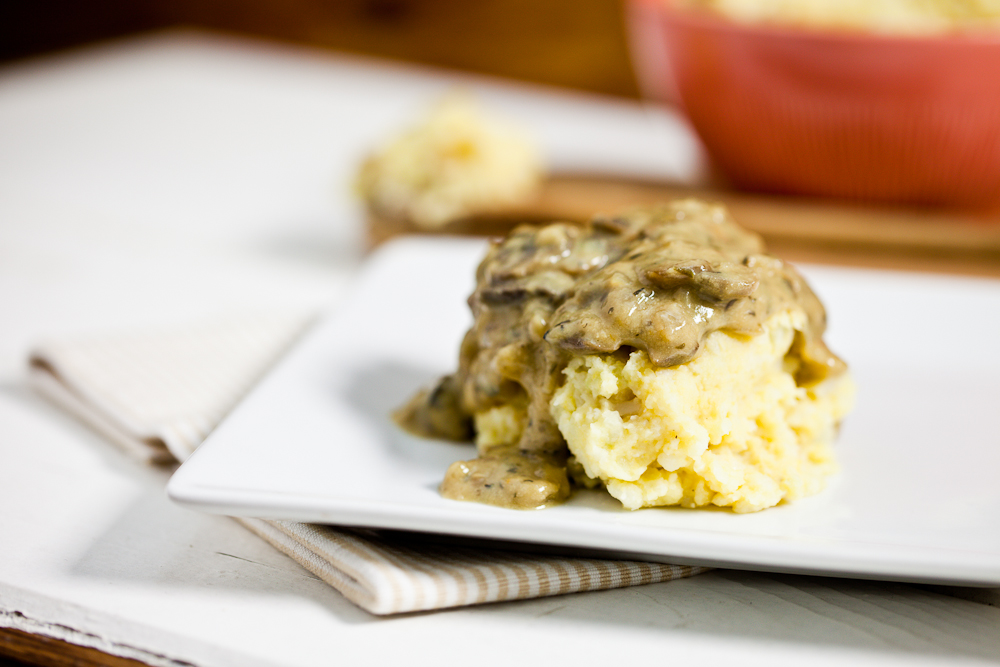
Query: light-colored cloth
(157, 395)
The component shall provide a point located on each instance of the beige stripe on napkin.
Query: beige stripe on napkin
(157, 395)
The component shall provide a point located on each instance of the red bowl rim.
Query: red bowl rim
(704, 19)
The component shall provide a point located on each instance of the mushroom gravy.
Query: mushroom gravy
(656, 279)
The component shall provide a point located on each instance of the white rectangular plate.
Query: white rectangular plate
(917, 499)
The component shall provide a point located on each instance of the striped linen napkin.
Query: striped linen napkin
(157, 395)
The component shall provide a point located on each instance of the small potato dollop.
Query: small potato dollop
(456, 161)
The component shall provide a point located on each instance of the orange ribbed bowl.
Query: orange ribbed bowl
(902, 119)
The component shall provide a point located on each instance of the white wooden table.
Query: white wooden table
(162, 180)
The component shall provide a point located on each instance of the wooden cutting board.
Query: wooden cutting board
(799, 229)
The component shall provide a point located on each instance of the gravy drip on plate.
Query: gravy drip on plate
(658, 280)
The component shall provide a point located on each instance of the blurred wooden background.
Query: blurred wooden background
(573, 43)
(578, 44)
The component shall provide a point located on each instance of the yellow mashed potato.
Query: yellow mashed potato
(729, 428)
(885, 16)
(455, 161)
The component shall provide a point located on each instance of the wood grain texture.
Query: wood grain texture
(23, 648)
(799, 229)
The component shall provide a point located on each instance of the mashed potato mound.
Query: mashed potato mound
(882, 16)
(729, 428)
(456, 161)
(660, 353)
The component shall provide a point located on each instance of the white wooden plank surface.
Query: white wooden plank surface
(162, 180)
